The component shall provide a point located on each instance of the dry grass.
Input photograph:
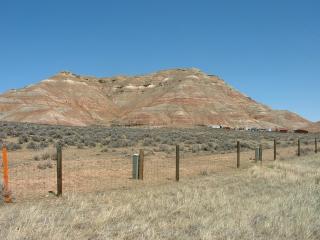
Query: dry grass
(276, 201)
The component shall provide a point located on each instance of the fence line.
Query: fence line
(97, 172)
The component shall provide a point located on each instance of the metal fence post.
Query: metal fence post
(260, 153)
(299, 148)
(238, 154)
(59, 170)
(135, 166)
(316, 145)
(275, 149)
(177, 163)
(257, 154)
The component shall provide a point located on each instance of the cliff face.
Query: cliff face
(177, 97)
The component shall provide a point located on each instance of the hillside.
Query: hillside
(314, 127)
(176, 97)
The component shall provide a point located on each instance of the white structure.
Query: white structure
(215, 126)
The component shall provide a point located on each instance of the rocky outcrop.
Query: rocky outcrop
(176, 97)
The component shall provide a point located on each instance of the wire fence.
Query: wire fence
(91, 171)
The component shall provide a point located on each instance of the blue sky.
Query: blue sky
(267, 49)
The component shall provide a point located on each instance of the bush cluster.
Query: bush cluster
(201, 139)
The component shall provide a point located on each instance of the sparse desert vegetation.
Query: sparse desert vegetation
(213, 200)
(99, 159)
(37, 137)
(278, 200)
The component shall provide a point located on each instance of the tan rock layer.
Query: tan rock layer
(177, 97)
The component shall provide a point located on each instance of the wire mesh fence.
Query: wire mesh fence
(34, 175)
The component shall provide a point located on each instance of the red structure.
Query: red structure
(301, 131)
(283, 130)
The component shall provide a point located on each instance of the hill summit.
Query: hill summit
(175, 97)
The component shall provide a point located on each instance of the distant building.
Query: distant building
(301, 131)
(283, 130)
(215, 126)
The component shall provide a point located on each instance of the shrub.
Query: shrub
(13, 146)
(181, 147)
(245, 145)
(44, 165)
(36, 138)
(33, 146)
(23, 139)
(43, 145)
(195, 148)
(105, 142)
(71, 141)
(54, 157)
(212, 146)
(119, 143)
(165, 148)
(80, 146)
(92, 144)
(229, 146)
(3, 135)
(105, 150)
(305, 142)
(45, 156)
(205, 147)
(69, 132)
(190, 141)
(59, 143)
(305, 151)
(147, 142)
(167, 141)
(57, 135)
(204, 173)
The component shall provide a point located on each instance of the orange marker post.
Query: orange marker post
(7, 197)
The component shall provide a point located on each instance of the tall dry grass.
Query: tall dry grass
(276, 201)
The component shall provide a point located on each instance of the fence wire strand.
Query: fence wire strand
(33, 174)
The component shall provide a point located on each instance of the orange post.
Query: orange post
(7, 197)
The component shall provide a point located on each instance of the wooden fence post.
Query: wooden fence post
(299, 148)
(275, 149)
(316, 145)
(59, 170)
(141, 164)
(238, 154)
(177, 163)
(7, 194)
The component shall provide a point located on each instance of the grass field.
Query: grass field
(279, 200)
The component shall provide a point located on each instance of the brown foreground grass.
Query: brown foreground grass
(279, 200)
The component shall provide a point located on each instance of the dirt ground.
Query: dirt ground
(91, 171)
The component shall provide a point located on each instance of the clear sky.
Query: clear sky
(268, 49)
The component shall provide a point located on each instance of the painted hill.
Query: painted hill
(176, 97)
(314, 127)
